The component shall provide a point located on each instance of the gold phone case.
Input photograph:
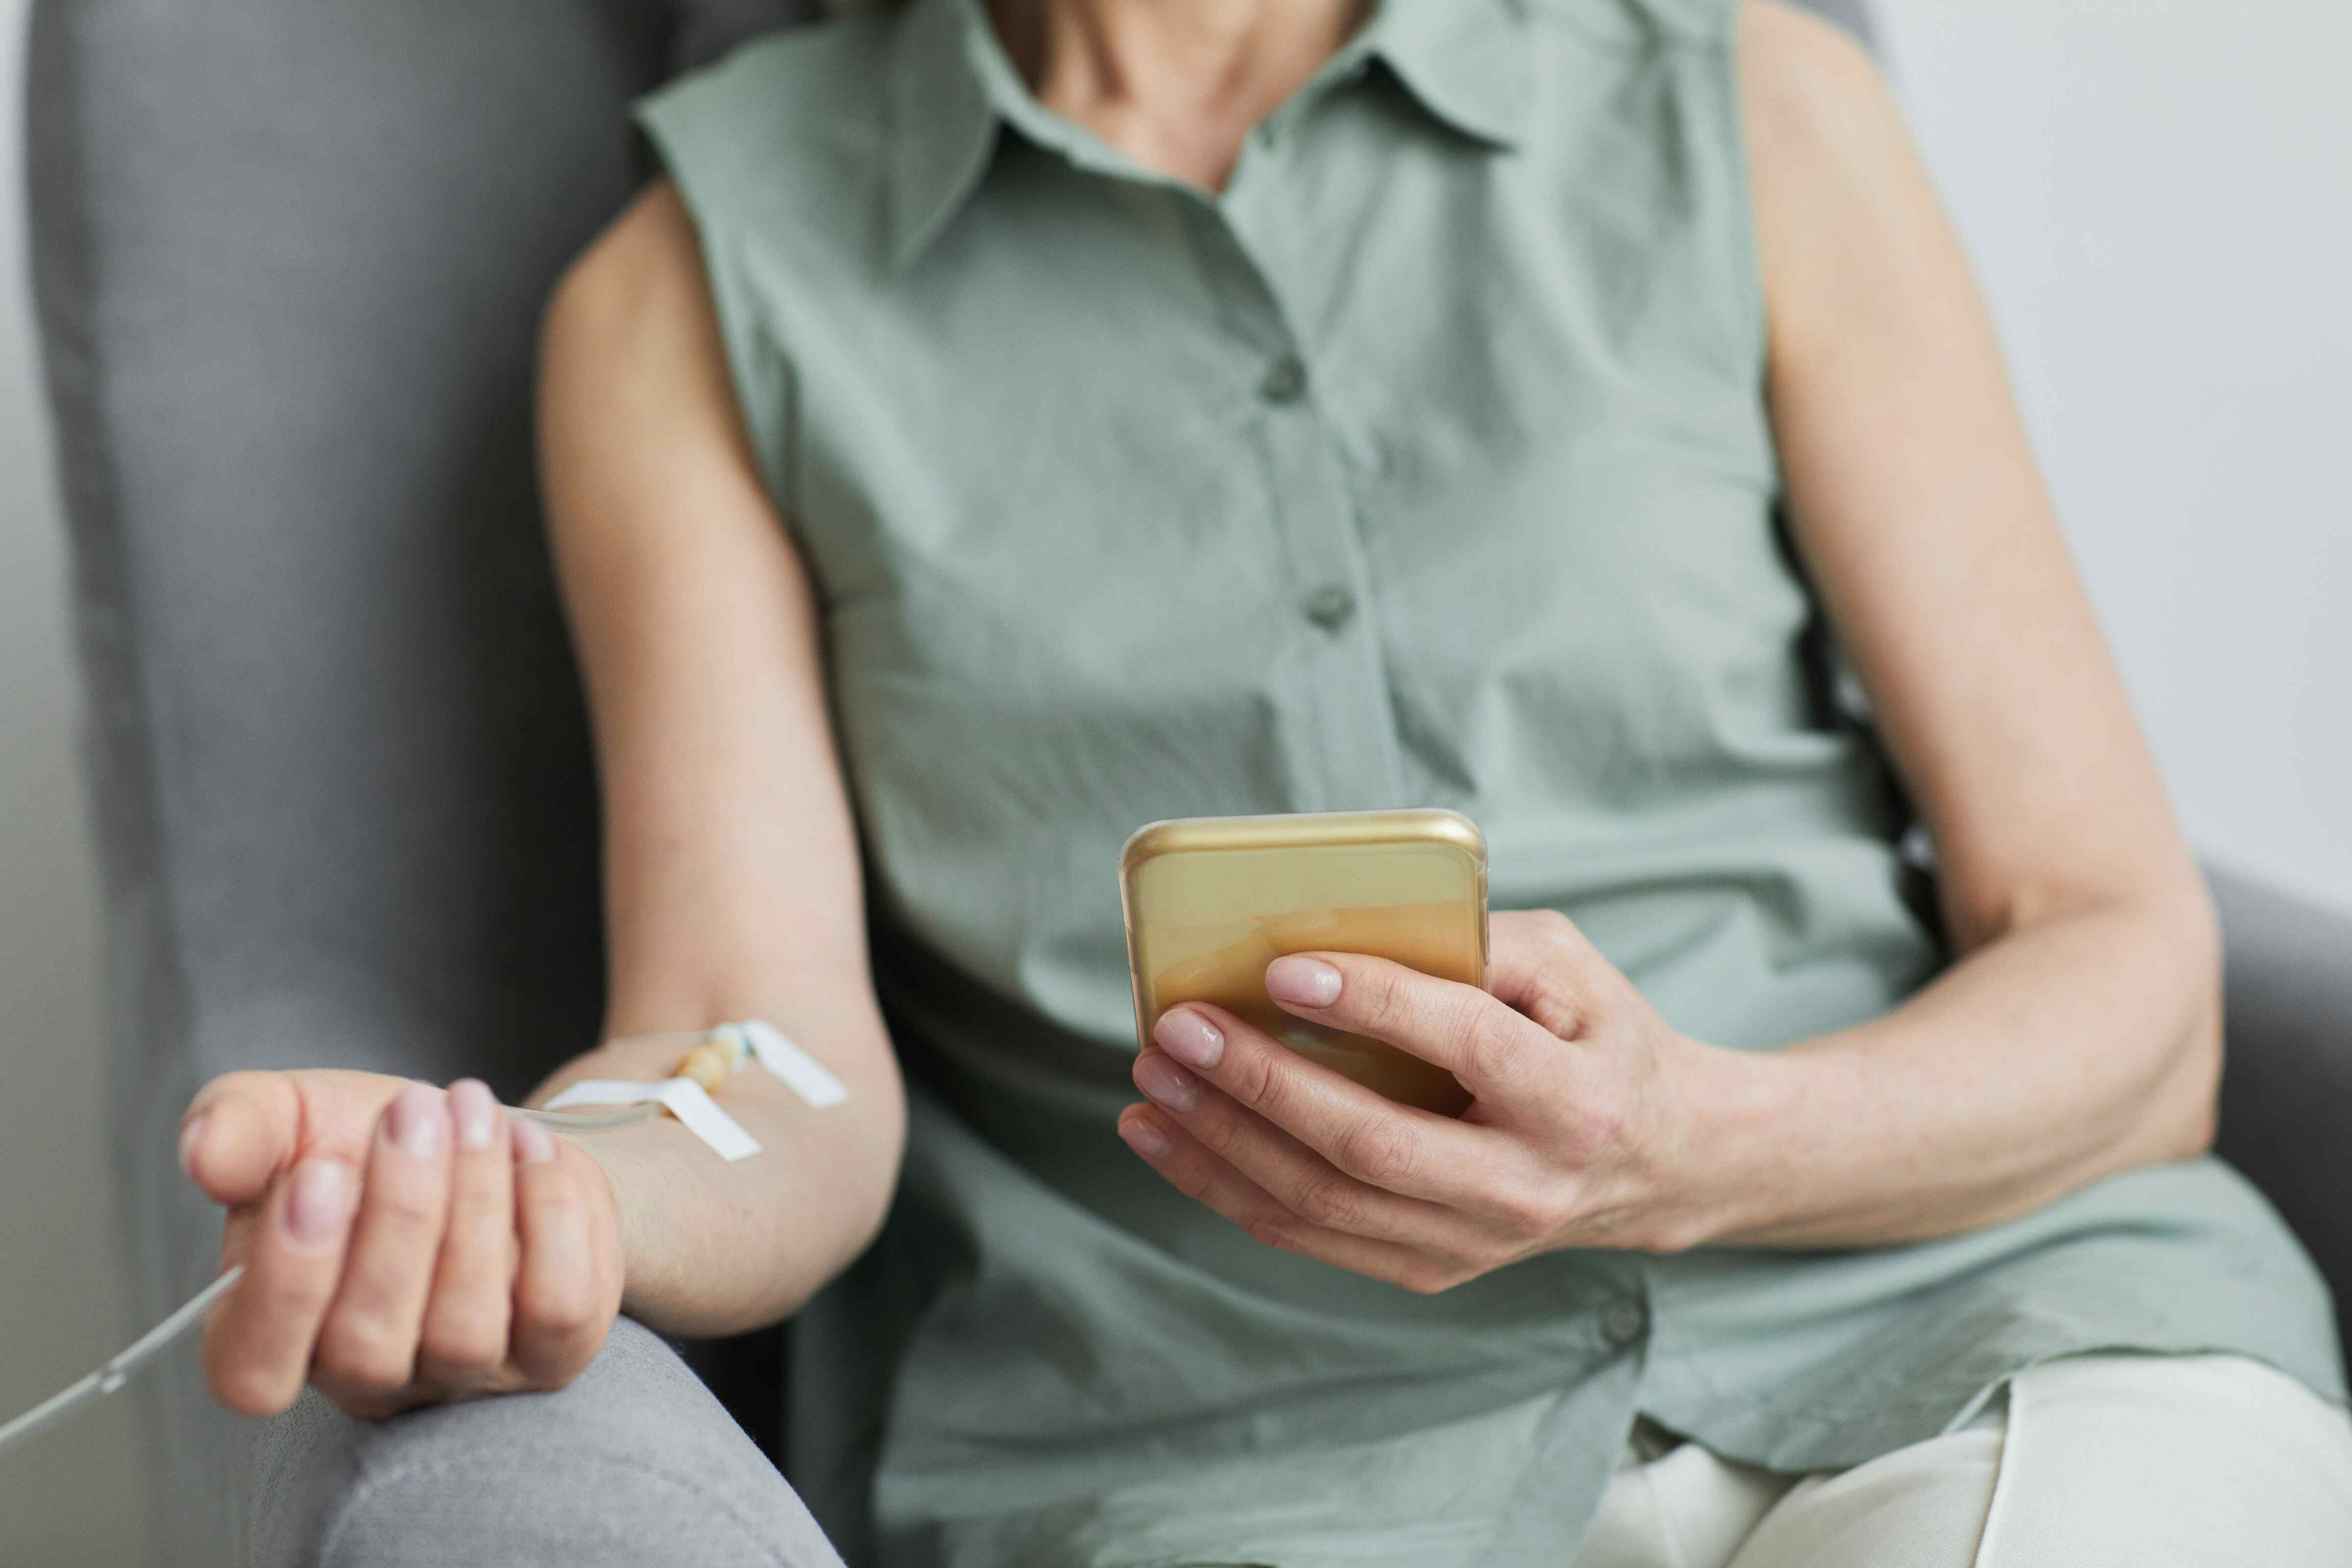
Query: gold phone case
(1211, 900)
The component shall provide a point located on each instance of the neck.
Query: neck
(1174, 84)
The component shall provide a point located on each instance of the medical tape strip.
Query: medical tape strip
(802, 1072)
(681, 1097)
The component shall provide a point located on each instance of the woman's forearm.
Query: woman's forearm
(712, 1247)
(2072, 1047)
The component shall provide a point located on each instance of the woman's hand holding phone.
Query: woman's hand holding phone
(1581, 1134)
(403, 1246)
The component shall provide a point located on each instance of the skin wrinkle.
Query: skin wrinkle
(1176, 88)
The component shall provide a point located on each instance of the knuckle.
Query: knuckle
(1431, 1278)
(1188, 1179)
(1328, 1201)
(242, 1082)
(1258, 1081)
(1600, 1122)
(1672, 1237)
(556, 1203)
(1187, 1172)
(557, 1374)
(1486, 1256)
(245, 1389)
(560, 1312)
(1554, 927)
(1380, 1151)
(1271, 1230)
(1554, 1004)
(1528, 1214)
(366, 1357)
(293, 1295)
(1386, 1005)
(409, 1205)
(1215, 1127)
(1491, 1049)
(566, 1187)
(466, 1344)
(481, 1192)
(560, 1348)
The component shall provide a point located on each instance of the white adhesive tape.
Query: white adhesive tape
(682, 1097)
(802, 1072)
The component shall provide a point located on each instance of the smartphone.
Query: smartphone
(1211, 900)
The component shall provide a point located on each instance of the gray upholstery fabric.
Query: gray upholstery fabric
(289, 258)
(1854, 15)
(2287, 1082)
(634, 1463)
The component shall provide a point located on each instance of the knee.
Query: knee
(632, 1463)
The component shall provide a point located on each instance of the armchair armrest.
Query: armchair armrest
(2286, 1087)
(626, 1466)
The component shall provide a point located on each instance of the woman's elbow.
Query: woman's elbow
(2193, 1103)
(886, 1153)
(2198, 1118)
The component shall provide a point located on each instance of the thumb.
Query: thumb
(240, 1132)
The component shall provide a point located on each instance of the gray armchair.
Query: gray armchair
(290, 256)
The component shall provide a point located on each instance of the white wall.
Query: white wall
(65, 1501)
(2159, 195)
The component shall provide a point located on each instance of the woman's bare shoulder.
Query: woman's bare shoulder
(1811, 91)
(631, 337)
(1848, 223)
(638, 283)
(634, 396)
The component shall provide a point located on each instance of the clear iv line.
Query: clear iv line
(119, 1371)
(807, 1077)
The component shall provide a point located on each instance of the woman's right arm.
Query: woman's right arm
(732, 880)
(401, 1248)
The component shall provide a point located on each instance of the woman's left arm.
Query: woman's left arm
(2078, 1034)
(2080, 1031)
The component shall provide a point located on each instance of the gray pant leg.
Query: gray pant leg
(634, 1466)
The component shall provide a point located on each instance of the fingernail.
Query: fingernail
(1309, 982)
(1189, 1038)
(419, 1121)
(189, 1134)
(319, 1202)
(1166, 1082)
(533, 1143)
(1143, 1138)
(475, 1111)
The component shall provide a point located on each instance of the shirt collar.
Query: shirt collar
(1466, 61)
(953, 88)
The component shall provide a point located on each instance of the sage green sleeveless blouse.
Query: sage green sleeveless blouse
(1426, 465)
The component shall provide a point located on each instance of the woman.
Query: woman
(1008, 424)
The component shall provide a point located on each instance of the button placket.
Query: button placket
(1338, 693)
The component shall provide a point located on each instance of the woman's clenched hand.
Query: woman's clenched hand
(1581, 1133)
(403, 1246)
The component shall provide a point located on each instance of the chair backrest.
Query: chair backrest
(1854, 16)
(289, 258)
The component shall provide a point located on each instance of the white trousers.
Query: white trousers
(2104, 1461)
